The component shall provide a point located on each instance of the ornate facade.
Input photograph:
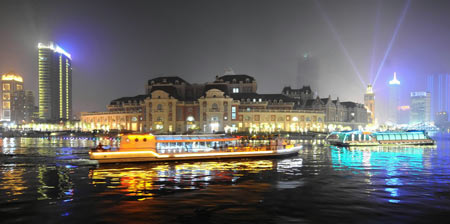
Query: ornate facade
(228, 104)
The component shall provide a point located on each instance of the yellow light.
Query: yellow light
(129, 153)
(12, 77)
(222, 154)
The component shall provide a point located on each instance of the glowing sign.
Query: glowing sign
(394, 81)
(12, 77)
(404, 108)
(54, 48)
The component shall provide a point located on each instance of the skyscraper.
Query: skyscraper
(420, 108)
(394, 99)
(55, 83)
(11, 83)
(369, 102)
(307, 71)
(439, 87)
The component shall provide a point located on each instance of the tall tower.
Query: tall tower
(394, 86)
(55, 83)
(307, 71)
(369, 102)
(11, 83)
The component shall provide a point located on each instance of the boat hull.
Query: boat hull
(356, 144)
(150, 156)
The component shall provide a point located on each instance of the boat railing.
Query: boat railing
(240, 148)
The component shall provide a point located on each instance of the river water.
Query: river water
(49, 181)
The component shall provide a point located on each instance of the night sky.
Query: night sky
(117, 46)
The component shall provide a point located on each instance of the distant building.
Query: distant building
(307, 71)
(11, 83)
(394, 99)
(403, 114)
(55, 83)
(369, 103)
(420, 107)
(23, 107)
(441, 118)
(305, 93)
(438, 85)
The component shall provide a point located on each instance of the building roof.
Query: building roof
(221, 87)
(175, 80)
(264, 97)
(236, 78)
(137, 98)
(172, 91)
(349, 104)
(304, 89)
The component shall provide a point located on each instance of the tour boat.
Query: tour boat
(361, 138)
(148, 147)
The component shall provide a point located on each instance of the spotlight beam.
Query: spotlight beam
(374, 44)
(341, 45)
(397, 28)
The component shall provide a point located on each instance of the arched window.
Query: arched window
(159, 107)
(215, 107)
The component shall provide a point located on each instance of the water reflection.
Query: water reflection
(385, 164)
(148, 180)
(12, 182)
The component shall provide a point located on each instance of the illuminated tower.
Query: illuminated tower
(11, 83)
(369, 102)
(394, 86)
(55, 83)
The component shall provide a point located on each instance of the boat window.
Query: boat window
(136, 140)
(421, 136)
(145, 139)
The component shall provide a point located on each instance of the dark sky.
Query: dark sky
(117, 46)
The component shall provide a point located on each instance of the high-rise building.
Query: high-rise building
(394, 86)
(369, 102)
(22, 106)
(307, 71)
(439, 87)
(420, 107)
(11, 83)
(55, 83)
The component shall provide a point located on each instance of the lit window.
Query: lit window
(235, 90)
(6, 87)
(6, 96)
(6, 105)
(233, 113)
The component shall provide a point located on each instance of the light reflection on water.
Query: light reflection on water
(387, 162)
(147, 180)
(321, 184)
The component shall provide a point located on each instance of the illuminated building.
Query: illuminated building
(420, 107)
(369, 103)
(403, 114)
(340, 115)
(55, 83)
(228, 104)
(394, 86)
(439, 89)
(11, 83)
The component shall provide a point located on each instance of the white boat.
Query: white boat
(148, 147)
